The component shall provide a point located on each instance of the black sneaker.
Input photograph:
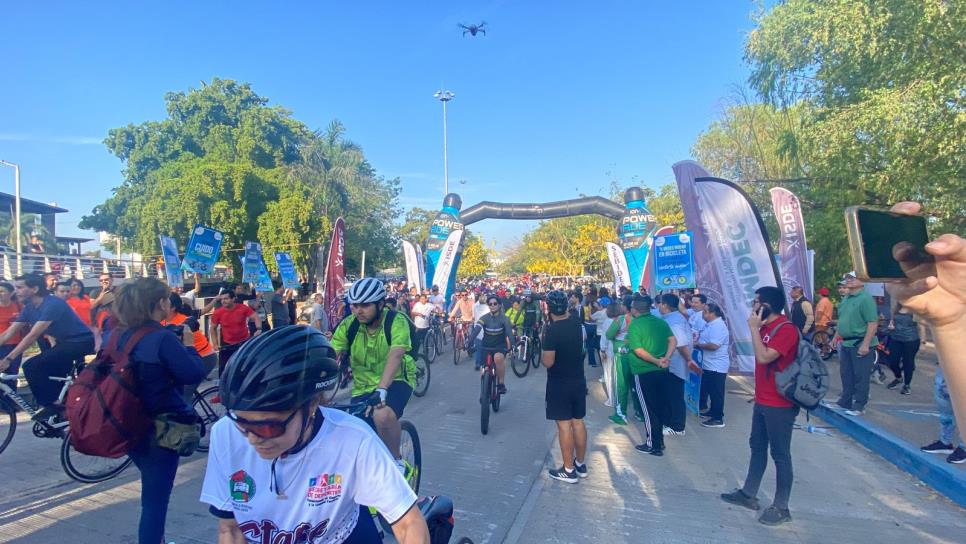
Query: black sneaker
(906, 390)
(739, 498)
(713, 423)
(937, 447)
(581, 469)
(564, 476)
(957, 457)
(644, 448)
(501, 388)
(45, 413)
(775, 516)
(894, 383)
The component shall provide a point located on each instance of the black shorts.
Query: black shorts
(494, 349)
(566, 400)
(397, 397)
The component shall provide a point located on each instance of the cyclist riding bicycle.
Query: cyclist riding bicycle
(515, 315)
(532, 313)
(380, 369)
(497, 338)
(282, 468)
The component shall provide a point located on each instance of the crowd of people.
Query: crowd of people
(273, 375)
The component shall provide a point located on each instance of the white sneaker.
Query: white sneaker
(854, 412)
(671, 432)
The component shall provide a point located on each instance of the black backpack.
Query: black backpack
(387, 327)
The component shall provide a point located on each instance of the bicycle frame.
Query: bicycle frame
(8, 392)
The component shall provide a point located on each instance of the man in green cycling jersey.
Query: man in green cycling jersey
(378, 367)
(532, 314)
(515, 315)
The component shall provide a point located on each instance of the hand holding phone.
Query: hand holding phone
(940, 298)
(888, 246)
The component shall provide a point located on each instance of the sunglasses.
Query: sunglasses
(264, 429)
(493, 303)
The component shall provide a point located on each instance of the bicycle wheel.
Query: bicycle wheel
(430, 347)
(495, 397)
(486, 385)
(536, 352)
(518, 363)
(440, 340)
(209, 409)
(457, 349)
(8, 424)
(89, 469)
(422, 377)
(412, 453)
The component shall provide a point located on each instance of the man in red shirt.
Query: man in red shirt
(229, 327)
(775, 341)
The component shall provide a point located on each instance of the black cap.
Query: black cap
(632, 194)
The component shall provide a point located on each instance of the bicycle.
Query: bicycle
(83, 468)
(823, 341)
(207, 405)
(409, 448)
(519, 357)
(489, 397)
(460, 333)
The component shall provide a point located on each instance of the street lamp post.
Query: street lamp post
(16, 219)
(444, 97)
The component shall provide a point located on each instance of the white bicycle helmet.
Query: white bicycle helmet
(365, 291)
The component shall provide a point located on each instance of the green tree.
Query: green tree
(475, 260)
(415, 226)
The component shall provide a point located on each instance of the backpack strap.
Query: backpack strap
(387, 326)
(771, 367)
(131, 342)
(352, 332)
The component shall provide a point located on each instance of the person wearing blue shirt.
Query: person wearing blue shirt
(46, 315)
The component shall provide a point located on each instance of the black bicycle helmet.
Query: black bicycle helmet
(557, 302)
(279, 370)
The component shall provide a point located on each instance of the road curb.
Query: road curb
(932, 470)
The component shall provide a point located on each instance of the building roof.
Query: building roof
(28, 206)
(73, 240)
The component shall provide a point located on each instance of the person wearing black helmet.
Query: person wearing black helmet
(380, 365)
(281, 464)
(566, 394)
(497, 338)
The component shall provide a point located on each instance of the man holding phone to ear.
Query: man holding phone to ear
(858, 320)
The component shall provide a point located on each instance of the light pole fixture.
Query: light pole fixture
(16, 219)
(444, 97)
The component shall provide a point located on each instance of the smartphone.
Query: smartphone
(888, 246)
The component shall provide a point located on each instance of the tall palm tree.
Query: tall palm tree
(331, 165)
(29, 226)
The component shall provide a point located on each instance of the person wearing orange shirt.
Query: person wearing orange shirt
(9, 308)
(823, 310)
(178, 314)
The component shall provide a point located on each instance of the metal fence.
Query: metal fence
(83, 267)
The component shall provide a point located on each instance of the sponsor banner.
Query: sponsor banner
(692, 391)
(172, 263)
(634, 233)
(731, 250)
(617, 263)
(674, 261)
(334, 288)
(448, 257)
(445, 223)
(251, 263)
(791, 247)
(421, 261)
(649, 279)
(413, 278)
(203, 249)
(286, 269)
(264, 282)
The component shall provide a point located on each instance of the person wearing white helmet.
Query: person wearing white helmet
(377, 341)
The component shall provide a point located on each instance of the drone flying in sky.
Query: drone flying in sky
(474, 29)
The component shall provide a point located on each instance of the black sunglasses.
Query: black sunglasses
(265, 428)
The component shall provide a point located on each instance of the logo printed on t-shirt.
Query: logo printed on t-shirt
(324, 488)
(241, 486)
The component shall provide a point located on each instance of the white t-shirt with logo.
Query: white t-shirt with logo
(716, 332)
(344, 466)
(425, 308)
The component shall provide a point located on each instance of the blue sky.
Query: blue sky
(558, 99)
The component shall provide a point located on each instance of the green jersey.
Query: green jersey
(650, 333)
(856, 311)
(370, 351)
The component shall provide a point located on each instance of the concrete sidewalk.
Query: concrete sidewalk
(842, 492)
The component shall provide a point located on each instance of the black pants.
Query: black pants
(713, 390)
(855, 372)
(225, 353)
(676, 410)
(55, 362)
(903, 361)
(771, 428)
(651, 390)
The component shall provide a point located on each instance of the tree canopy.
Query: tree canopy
(226, 158)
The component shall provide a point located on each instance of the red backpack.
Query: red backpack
(105, 412)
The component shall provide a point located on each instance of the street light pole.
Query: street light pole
(444, 97)
(16, 219)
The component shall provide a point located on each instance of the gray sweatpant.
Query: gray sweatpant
(855, 372)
